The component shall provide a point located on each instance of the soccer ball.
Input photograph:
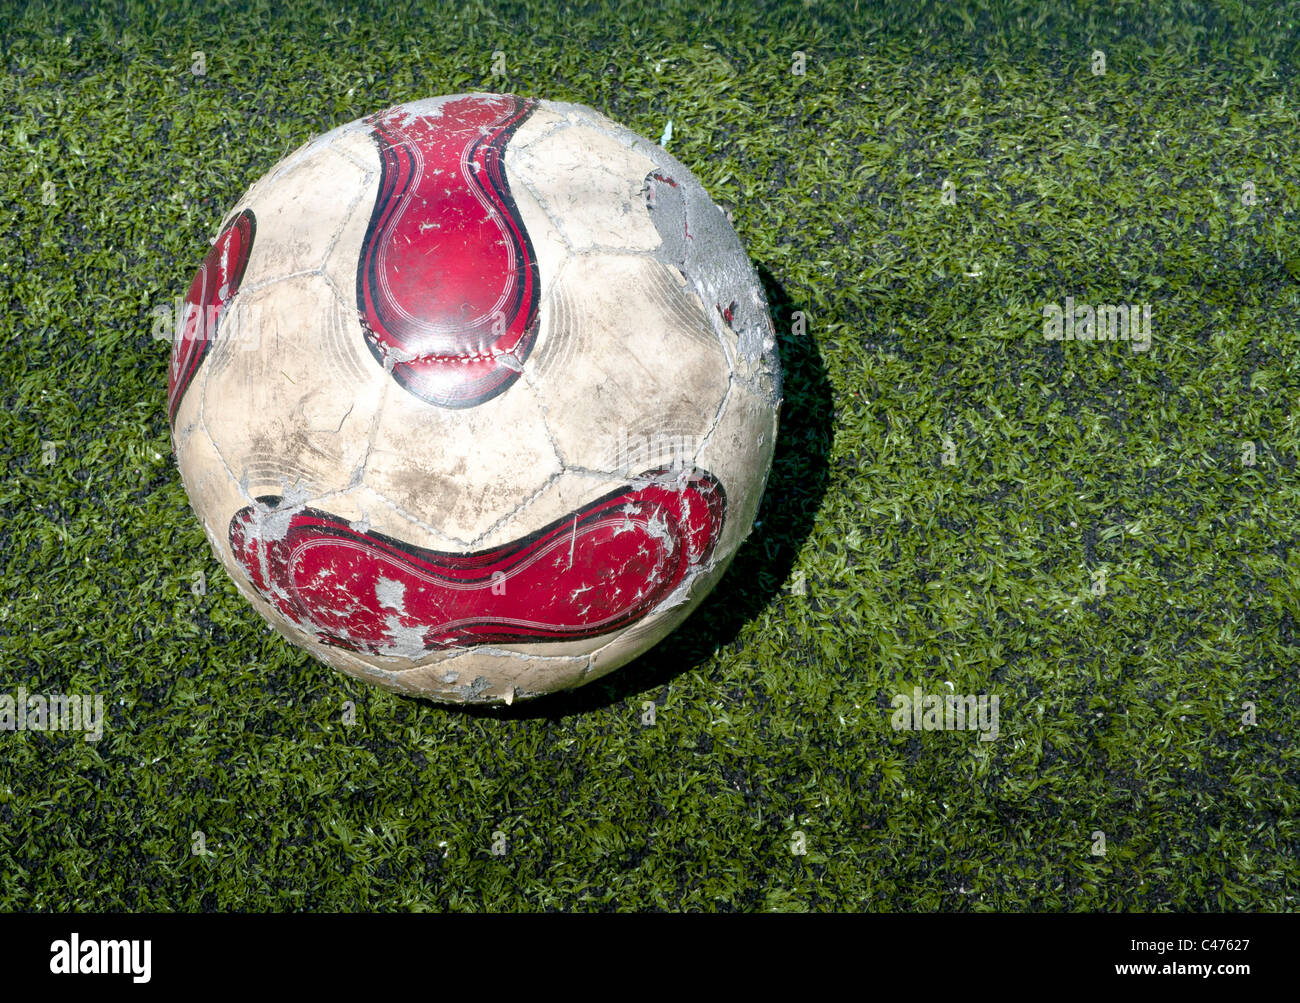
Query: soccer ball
(475, 397)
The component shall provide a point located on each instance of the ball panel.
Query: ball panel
(697, 238)
(625, 367)
(211, 486)
(488, 675)
(340, 264)
(286, 375)
(458, 474)
(608, 209)
(301, 207)
(740, 449)
(185, 419)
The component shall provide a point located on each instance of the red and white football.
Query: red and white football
(475, 397)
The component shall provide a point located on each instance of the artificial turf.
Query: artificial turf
(1105, 539)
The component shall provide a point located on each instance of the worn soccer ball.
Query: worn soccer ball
(475, 397)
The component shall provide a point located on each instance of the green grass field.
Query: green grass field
(1104, 539)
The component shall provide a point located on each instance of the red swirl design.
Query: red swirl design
(447, 282)
(213, 288)
(601, 568)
